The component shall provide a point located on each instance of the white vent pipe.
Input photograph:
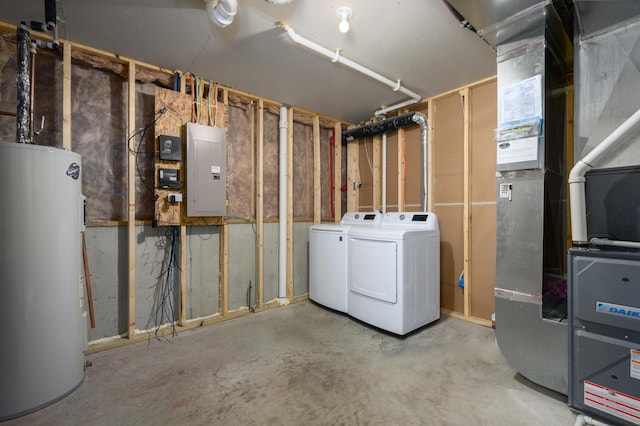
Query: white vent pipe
(384, 173)
(577, 179)
(282, 272)
(221, 12)
(335, 56)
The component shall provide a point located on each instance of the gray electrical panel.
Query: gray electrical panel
(206, 171)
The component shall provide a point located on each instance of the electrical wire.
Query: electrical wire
(137, 151)
(165, 306)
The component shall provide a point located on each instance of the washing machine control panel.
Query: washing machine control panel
(362, 218)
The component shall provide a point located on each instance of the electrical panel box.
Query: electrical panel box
(169, 179)
(170, 148)
(206, 171)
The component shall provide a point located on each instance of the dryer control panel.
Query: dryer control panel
(362, 218)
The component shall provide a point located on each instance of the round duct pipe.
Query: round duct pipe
(221, 12)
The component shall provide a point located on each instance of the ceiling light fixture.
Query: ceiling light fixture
(344, 13)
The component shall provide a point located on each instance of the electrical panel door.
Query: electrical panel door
(206, 170)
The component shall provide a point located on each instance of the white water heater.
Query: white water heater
(41, 220)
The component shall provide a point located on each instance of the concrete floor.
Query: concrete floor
(305, 365)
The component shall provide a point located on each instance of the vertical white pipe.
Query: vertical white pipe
(577, 179)
(282, 272)
(384, 173)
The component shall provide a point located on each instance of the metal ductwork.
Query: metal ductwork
(535, 56)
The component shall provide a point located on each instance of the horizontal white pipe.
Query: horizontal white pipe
(614, 243)
(577, 179)
(384, 111)
(336, 57)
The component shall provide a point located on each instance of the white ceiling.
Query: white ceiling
(416, 41)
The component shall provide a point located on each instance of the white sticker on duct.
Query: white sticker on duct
(215, 169)
(635, 364)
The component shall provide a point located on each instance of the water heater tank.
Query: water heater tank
(41, 221)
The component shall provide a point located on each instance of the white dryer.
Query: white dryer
(394, 272)
(328, 258)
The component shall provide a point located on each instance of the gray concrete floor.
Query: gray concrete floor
(305, 365)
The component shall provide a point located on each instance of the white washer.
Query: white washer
(328, 258)
(394, 272)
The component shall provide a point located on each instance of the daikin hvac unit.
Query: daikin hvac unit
(604, 264)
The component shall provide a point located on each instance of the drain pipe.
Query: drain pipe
(336, 56)
(577, 178)
(421, 119)
(387, 125)
(23, 79)
(586, 420)
(282, 273)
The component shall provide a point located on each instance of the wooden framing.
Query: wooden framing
(131, 196)
(66, 95)
(317, 172)
(260, 203)
(353, 173)
(466, 212)
(377, 173)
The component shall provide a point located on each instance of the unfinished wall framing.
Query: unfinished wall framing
(461, 189)
(223, 267)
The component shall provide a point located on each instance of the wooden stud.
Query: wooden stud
(377, 173)
(290, 205)
(466, 212)
(260, 202)
(337, 173)
(131, 196)
(317, 172)
(353, 173)
(66, 95)
(401, 170)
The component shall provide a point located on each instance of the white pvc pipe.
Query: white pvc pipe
(384, 111)
(421, 119)
(586, 420)
(221, 12)
(282, 272)
(577, 179)
(614, 243)
(384, 173)
(335, 56)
